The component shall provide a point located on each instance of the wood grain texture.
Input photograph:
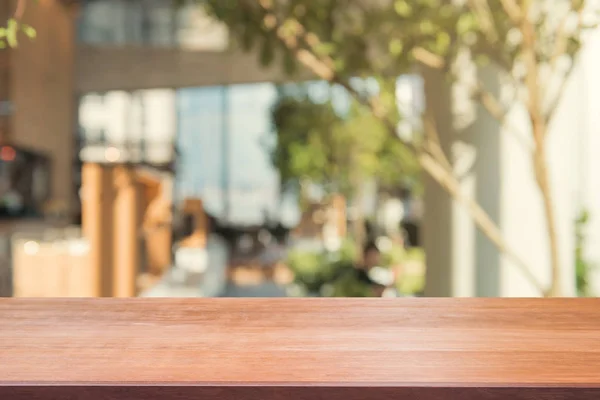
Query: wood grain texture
(296, 349)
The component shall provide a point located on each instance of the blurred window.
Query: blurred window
(140, 125)
(127, 22)
(157, 23)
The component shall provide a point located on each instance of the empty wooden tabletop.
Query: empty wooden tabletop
(299, 348)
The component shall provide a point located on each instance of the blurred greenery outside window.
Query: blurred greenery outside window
(320, 273)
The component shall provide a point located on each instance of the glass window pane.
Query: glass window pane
(102, 22)
(117, 113)
(254, 185)
(199, 144)
(128, 22)
(159, 123)
(92, 117)
(160, 23)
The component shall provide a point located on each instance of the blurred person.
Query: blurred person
(371, 260)
(391, 213)
(356, 280)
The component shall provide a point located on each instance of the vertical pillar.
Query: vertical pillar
(125, 233)
(43, 91)
(449, 270)
(96, 205)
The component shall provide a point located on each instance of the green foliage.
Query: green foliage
(333, 148)
(314, 270)
(411, 281)
(381, 38)
(393, 256)
(325, 274)
(361, 37)
(9, 34)
(582, 266)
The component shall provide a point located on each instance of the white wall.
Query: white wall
(587, 98)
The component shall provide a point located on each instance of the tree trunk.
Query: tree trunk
(540, 132)
(543, 180)
(432, 164)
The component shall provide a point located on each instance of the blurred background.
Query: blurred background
(268, 148)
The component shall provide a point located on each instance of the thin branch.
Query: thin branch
(489, 102)
(559, 50)
(490, 50)
(434, 144)
(482, 11)
(549, 113)
(324, 69)
(437, 165)
(532, 80)
(493, 106)
(560, 41)
(428, 58)
(513, 10)
(562, 37)
(20, 9)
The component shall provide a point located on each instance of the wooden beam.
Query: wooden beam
(299, 349)
(104, 68)
(97, 225)
(126, 231)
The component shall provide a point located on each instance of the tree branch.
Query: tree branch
(562, 37)
(513, 10)
(482, 11)
(433, 163)
(532, 80)
(20, 9)
(433, 143)
(493, 107)
(489, 102)
(559, 50)
(540, 162)
(550, 111)
(428, 58)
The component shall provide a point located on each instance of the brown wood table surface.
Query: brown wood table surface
(299, 349)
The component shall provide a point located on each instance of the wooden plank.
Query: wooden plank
(288, 349)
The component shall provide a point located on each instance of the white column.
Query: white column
(448, 235)
(586, 94)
